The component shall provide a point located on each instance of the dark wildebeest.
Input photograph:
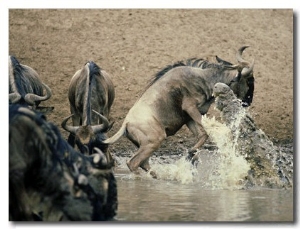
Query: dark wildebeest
(180, 94)
(90, 89)
(25, 86)
(49, 180)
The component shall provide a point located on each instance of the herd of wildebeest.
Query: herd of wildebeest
(57, 179)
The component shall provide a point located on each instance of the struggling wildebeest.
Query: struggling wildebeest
(49, 180)
(25, 86)
(91, 95)
(180, 94)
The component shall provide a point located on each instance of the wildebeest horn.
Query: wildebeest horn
(71, 129)
(101, 127)
(32, 98)
(99, 157)
(247, 71)
(239, 55)
(243, 64)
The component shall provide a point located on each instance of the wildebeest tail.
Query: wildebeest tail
(117, 135)
(93, 71)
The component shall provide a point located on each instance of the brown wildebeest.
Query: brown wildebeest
(179, 95)
(90, 89)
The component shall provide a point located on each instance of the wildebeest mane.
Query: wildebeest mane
(60, 150)
(192, 62)
(52, 134)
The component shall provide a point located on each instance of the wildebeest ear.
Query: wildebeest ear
(222, 61)
(44, 110)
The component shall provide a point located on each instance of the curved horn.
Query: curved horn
(244, 65)
(99, 157)
(32, 98)
(103, 126)
(71, 129)
(247, 71)
(239, 55)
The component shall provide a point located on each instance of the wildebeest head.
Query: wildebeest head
(94, 176)
(89, 136)
(25, 86)
(243, 84)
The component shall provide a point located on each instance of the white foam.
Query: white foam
(181, 170)
(230, 167)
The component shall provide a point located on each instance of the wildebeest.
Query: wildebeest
(49, 180)
(180, 94)
(91, 95)
(25, 86)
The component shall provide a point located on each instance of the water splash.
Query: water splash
(181, 170)
(242, 156)
(269, 166)
(230, 168)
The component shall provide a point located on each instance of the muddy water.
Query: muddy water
(144, 199)
(212, 190)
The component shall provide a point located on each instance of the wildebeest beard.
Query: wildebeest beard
(249, 96)
(88, 140)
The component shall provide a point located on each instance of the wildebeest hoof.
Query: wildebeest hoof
(153, 174)
(191, 154)
(188, 157)
(195, 160)
(131, 168)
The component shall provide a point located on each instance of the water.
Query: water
(215, 190)
(144, 199)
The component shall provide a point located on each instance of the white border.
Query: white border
(5, 5)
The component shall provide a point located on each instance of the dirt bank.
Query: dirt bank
(133, 44)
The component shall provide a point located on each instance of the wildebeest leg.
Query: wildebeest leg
(146, 166)
(195, 125)
(141, 159)
(198, 131)
(148, 142)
